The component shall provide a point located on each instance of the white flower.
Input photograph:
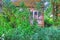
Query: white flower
(51, 15)
(20, 9)
(46, 3)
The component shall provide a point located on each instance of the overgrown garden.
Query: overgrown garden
(15, 24)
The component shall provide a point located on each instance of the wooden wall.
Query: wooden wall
(28, 3)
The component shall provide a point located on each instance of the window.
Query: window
(35, 14)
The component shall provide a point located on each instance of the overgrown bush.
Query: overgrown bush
(13, 17)
(35, 33)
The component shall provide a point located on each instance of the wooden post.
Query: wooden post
(54, 11)
(56, 8)
(58, 14)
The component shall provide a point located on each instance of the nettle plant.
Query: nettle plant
(16, 15)
(13, 17)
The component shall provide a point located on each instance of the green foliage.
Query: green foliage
(47, 13)
(14, 23)
(12, 17)
(36, 33)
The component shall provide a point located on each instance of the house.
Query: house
(31, 4)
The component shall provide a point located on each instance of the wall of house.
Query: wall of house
(38, 18)
(28, 3)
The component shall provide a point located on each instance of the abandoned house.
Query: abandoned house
(35, 13)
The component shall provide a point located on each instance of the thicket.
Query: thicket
(15, 25)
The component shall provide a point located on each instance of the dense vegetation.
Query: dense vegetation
(14, 24)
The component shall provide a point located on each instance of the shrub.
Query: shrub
(36, 33)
